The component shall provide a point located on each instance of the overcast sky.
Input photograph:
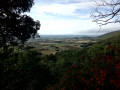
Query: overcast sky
(67, 17)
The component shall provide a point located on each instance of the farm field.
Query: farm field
(52, 45)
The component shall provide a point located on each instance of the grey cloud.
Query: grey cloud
(82, 11)
(69, 1)
(42, 2)
(57, 1)
(60, 16)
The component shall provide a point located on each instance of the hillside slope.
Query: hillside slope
(115, 34)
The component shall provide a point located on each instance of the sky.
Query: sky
(67, 17)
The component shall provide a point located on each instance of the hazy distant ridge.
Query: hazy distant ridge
(66, 36)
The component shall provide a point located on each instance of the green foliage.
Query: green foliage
(23, 71)
(14, 27)
(16, 6)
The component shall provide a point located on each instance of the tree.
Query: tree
(106, 11)
(15, 26)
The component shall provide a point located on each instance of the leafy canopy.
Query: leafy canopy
(16, 27)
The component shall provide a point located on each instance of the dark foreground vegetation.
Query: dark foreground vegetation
(96, 67)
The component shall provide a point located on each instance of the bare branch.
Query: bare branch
(106, 12)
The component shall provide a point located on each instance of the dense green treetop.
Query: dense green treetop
(16, 27)
(16, 6)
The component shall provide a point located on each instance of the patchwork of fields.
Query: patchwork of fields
(51, 45)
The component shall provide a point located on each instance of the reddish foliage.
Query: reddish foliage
(76, 66)
(108, 74)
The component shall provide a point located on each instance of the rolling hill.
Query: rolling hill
(110, 35)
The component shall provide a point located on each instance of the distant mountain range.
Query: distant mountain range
(99, 37)
(65, 36)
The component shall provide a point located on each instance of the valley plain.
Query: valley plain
(51, 45)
